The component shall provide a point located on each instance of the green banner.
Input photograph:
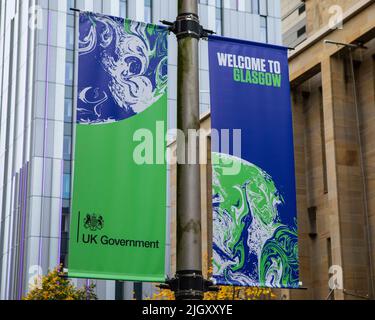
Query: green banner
(118, 222)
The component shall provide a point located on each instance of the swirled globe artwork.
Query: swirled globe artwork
(251, 246)
(129, 60)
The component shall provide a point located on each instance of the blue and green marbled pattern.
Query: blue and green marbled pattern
(130, 63)
(251, 246)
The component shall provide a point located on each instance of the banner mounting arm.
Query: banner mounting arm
(187, 25)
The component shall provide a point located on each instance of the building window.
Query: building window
(138, 290)
(70, 20)
(263, 29)
(255, 6)
(203, 2)
(119, 291)
(67, 167)
(237, 5)
(69, 38)
(68, 108)
(68, 92)
(219, 17)
(123, 8)
(70, 4)
(67, 147)
(69, 56)
(66, 186)
(302, 9)
(69, 73)
(301, 32)
(148, 11)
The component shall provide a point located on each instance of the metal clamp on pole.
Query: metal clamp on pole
(189, 285)
(187, 25)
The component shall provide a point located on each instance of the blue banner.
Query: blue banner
(254, 195)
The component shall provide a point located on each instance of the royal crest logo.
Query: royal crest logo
(93, 223)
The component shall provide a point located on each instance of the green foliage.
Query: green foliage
(55, 286)
(225, 293)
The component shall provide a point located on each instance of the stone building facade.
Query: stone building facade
(333, 91)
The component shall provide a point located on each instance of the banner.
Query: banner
(254, 194)
(118, 222)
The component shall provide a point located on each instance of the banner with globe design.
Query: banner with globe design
(118, 218)
(254, 194)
